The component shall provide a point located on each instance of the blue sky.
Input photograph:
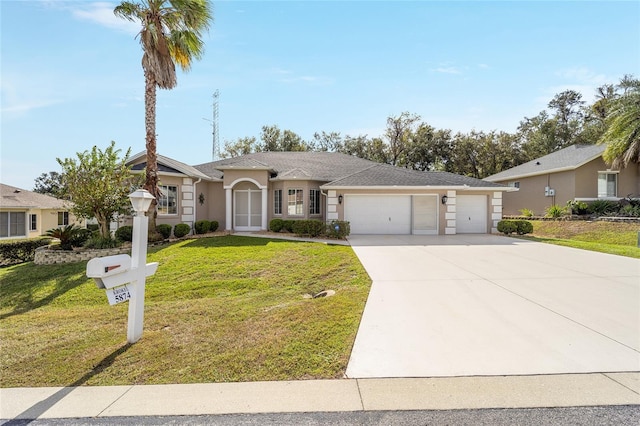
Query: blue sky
(71, 76)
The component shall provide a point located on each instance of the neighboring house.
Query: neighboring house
(577, 172)
(26, 214)
(245, 193)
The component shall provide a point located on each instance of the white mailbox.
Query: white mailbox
(110, 271)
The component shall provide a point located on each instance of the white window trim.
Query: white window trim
(296, 204)
(319, 204)
(608, 172)
(31, 215)
(275, 204)
(164, 188)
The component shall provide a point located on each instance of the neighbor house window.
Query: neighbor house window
(314, 201)
(63, 218)
(277, 201)
(295, 203)
(607, 184)
(514, 184)
(12, 224)
(33, 222)
(168, 201)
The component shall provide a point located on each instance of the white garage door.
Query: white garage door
(378, 214)
(471, 214)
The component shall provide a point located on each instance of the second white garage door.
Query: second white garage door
(378, 214)
(471, 214)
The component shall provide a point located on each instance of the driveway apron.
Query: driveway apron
(476, 305)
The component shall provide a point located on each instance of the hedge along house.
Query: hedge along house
(28, 214)
(245, 193)
(577, 172)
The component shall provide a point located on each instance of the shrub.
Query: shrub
(311, 227)
(100, 242)
(181, 229)
(276, 225)
(526, 213)
(338, 229)
(201, 226)
(164, 229)
(214, 226)
(70, 236)
(578, 207)
(93, 227)
(507, 227)
(23, 250)
(287, 225)
(555, 211)
(124, 233)
(523, 227)
(603, 207)
(630, 211)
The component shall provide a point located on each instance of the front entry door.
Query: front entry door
(247, 205)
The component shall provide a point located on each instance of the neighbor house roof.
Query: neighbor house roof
(169, 165)
(339, 170)
(17, 198)
(569, 158)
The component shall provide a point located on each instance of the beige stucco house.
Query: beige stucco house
(577, 172)
(245, 193)
(27, 214)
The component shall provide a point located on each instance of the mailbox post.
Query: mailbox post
(140, 200)
(113, 273)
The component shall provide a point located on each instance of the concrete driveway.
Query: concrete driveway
(469, 305)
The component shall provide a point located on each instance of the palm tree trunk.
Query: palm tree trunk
(151, 181)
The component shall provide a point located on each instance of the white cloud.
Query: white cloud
(102, 13)
(448, 70)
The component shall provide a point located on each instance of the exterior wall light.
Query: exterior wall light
(444, 199)
(340, 199)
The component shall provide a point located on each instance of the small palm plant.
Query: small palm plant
(70, 236)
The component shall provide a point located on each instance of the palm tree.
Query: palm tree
(623, 126)
(171, 33)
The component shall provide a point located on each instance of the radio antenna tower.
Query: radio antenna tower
(215, 149)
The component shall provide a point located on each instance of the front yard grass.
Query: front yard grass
(606, 237)
(219, 309)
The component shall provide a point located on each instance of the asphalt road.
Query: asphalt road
(583, 416)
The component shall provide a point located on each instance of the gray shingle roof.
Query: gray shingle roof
(339, 170)
(13, 197)
(568, 158)
(176, 165)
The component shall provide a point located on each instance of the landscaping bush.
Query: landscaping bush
(630, 210)
(213, 226)
(124, 233)
(70, 236)
(523, 227)
(507, 227)
(201, 226)
(276, 225)
(181, 229)
(338, 229)
(603, 207)
(578, 207)
(100, 242)
(555, 211)
(93, 227)
(287, 225)
(164, 229)
(311, 227)
(526, 212)
(23, 250)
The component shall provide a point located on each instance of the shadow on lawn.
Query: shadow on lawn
(35, 411)
(234, 241)
(21, 284)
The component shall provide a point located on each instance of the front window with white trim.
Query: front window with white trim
(63, 218)
(607, 184)
(277, 201)
(168, 201)
(12, 224)
(295, 202)
(33, 222)
(314, 201)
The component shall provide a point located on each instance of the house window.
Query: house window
(63, 218)
(168, 201)
(513, 184)
(277, 201)
(314, 201)
(33, 222)
(295, 205)
(12, 224)
(607, 184)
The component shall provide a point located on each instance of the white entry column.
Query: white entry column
(265, 203)
(228, 218)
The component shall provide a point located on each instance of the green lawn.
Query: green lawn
(219, 309)
(606, 237)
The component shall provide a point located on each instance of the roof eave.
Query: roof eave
(421, 187)
(544, 172)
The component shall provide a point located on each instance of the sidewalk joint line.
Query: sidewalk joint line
(115, 400)
(360, 394)
(620, 383)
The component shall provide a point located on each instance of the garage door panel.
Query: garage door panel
(378, 214)
(471, 214)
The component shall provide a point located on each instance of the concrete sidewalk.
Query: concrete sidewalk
(323, 396)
